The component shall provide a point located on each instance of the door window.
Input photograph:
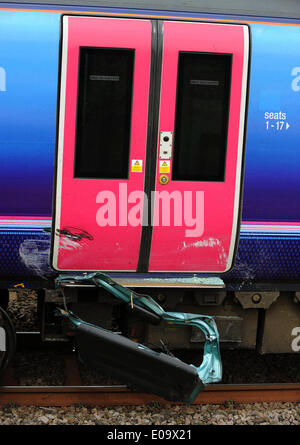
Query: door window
(201, 123)
(104, 113)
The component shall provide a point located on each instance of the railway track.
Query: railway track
(74, 392)
(121, 395)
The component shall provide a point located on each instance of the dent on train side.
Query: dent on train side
(213, 243)
(35, 256)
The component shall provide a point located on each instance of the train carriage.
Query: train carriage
(155, 146)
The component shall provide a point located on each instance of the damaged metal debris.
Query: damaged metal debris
(135, 364)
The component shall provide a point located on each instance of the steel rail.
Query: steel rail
(121, 395)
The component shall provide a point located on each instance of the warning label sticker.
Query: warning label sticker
(137, 165)
(164, 166)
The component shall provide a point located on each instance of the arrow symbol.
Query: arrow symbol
(287, 126)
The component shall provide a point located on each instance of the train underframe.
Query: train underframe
(264, 321)
(134, 337)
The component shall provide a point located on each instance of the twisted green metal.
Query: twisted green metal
(210, 370)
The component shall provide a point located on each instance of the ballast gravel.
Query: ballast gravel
(155, 414)
(22, 309)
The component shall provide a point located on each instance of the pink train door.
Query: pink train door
(150, 145)
(200, 146)
(102, 132)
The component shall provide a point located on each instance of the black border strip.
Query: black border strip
(152, 138)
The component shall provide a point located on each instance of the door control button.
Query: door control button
(165, 144)
(163, 179)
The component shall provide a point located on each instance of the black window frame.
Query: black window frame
(78, 112)
(227, 116)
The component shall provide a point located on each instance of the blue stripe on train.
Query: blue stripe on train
(26, 253)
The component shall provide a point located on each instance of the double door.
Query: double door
(150, 145)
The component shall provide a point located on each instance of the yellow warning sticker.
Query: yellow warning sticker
(137, 165)
(164, 166)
